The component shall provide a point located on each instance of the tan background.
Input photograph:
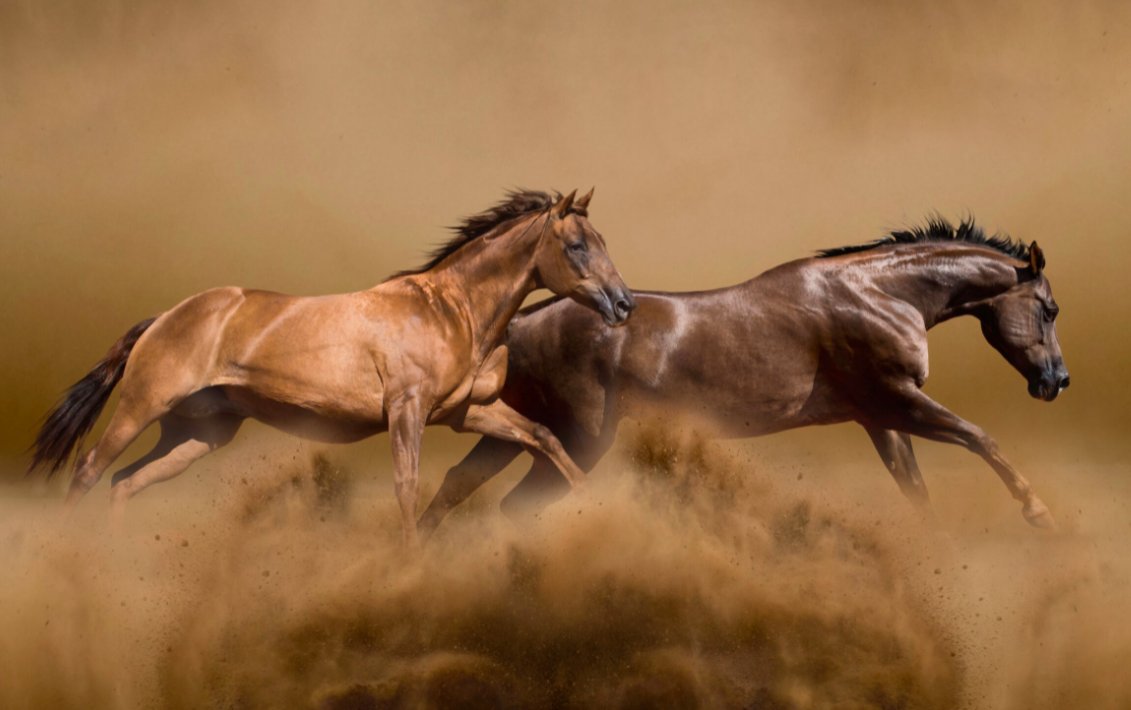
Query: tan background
(149, 150)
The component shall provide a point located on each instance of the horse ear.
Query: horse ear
(561, 207)
(583, 201)
(1036, 259)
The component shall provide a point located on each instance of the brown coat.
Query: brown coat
(840, 337)
(423, 347)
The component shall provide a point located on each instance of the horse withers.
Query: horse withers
(423, 347)
(838, 337)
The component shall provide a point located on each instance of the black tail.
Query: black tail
(71, 420)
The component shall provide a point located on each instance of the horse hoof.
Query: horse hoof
(1038, 515)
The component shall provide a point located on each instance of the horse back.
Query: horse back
(315, 352)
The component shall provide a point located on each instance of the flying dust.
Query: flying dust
(150, 150)
(691, 578)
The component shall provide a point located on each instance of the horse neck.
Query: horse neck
(945, 281)
(491, 276)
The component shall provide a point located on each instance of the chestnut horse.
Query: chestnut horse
(424, 347)
(834, 338)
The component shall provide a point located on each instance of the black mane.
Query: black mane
(938, 229)
(517, 203)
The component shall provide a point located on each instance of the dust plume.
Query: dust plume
(692, 587)
(692, 578)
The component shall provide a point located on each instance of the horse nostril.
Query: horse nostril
(623, 306)
(1064, 382)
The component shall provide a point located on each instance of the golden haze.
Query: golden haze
(149, 151)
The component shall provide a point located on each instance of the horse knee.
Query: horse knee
(85, 476)
(84, 481)
(545, 438)
(979, 442)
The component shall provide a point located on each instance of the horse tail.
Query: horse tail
(71, 420)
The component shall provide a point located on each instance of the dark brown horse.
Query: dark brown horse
(834, 338)
(424, 347)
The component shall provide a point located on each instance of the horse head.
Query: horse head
(572, 261)
(1021, 324)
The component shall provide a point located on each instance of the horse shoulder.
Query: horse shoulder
(646, 348)
(477, 384)
(487, 381)
(424, 342)
(894, 334)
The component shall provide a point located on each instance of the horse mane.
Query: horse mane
(938, 229)
(517, 203)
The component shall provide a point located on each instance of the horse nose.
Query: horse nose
(624, 305)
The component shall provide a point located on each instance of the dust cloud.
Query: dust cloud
(149, 151)
(706, 591)
(694, 578)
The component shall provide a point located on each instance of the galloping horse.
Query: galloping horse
(834, 338)
(424, 347)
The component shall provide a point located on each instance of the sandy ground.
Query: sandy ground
(693, 576)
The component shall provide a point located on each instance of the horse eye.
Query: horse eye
(1050, 314)
(578, 247)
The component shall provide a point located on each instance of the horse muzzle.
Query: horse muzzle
(1048, 388)
(615, 305)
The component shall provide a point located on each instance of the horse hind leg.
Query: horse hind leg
(142, 402)
(540, 487)
(894, 448)
(543, 484)
(125, 426)
(489, 457)
(183, 441)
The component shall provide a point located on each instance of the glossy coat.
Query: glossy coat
(420, 348)
(836, 338)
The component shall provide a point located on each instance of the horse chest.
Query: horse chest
(482, 384)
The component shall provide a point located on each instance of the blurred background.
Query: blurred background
(150, 150)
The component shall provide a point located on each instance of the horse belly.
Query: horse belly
(725, 416)
(745, 398)
(331, 422)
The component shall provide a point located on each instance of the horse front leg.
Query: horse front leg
(406, 428)
(500, 421)
(894, 448)
(922, 416)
